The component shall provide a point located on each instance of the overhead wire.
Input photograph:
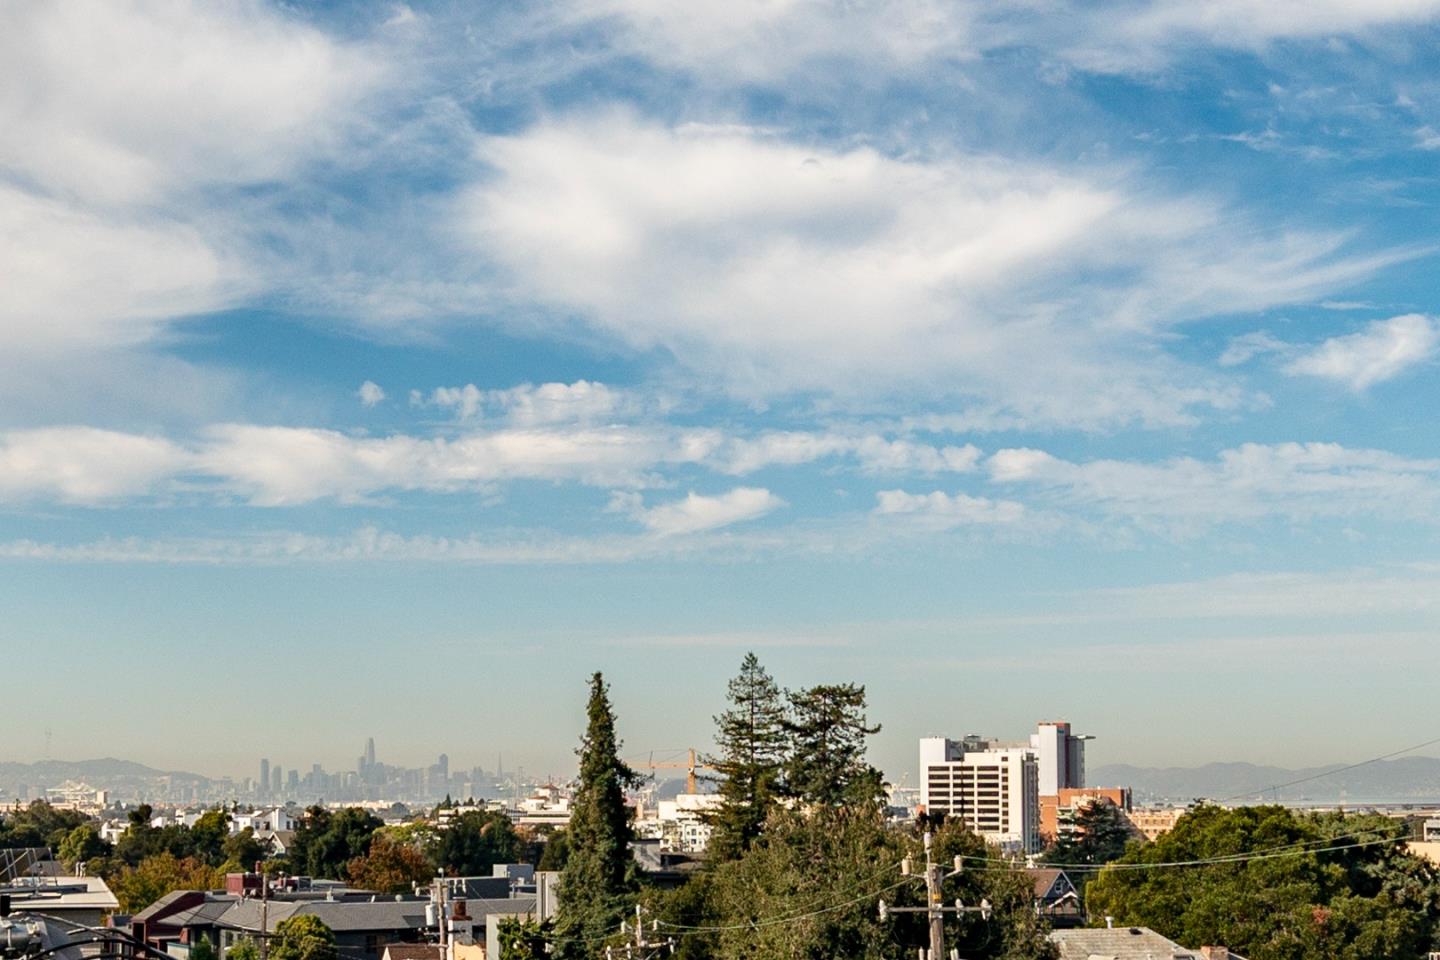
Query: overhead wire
(1331, 773)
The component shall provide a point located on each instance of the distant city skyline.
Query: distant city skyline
(1040, 361)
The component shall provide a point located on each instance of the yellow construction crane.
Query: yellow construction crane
(689, 766)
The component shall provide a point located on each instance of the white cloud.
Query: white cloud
(465, 401)
(768, 39)
(784, 267)
(529, 404)
(236, 91)
(1297, 481)
(125, 128)
(1383, 350)
(278, 466)
(697, 512)
(1149, 34)
(1248, 346)
(944, 510)
(370, 393)
(76, 279)
(83, 465)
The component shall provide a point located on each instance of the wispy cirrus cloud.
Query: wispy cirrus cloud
(856, 268)
(1382, 351)
(1296, 481)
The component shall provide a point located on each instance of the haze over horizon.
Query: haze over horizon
(385, 370)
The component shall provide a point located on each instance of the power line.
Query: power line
(1331, 773)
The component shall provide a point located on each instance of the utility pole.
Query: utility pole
(264, 911)
(935, 908)
(642, 947)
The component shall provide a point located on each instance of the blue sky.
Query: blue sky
(373, 368)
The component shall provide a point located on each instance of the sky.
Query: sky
(384, 370)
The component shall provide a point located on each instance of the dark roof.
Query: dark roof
(1045, 879)
(361, 916)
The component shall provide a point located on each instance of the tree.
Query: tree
(809, 885)
(39, 825)
(599, 881)
(1100, 836)
(751, 737)
(243, 850)
(208, 836)
(475, 841)
(390, 867)
(555, 851)
(522, 939)
(1331, 886)
(326, 842)
(303, 937)
(82, 845)
(139, 886)
(243, 949)
(202, 950)
(827, 739)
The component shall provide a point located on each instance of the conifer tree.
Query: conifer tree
(828, 732)
(599, 883)
(751, 738)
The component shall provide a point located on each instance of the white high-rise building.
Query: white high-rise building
(993, 788)
(1061, 756)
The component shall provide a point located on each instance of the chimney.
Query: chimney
(1215, 953)
(460, 913)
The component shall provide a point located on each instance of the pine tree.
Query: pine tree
(751, 739)
(599, 884)
(827, 732)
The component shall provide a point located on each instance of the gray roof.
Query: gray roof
(1122, 943)
(350, 916)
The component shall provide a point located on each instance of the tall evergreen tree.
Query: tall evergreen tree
(827, 732)
(599, 884)
(751, 738)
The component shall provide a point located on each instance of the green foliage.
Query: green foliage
(752, 739)
(1101, 835)
(809, 887)
(304, 937)
(475, 841)
(326, 842)
(1372, 902)
(555, 852)
(39, 825)
(243, 949)
(82, 845)
(391, 866)
(522, 939)
(202, 950)
(243, 850)
(828, 732)
(599, 882)
(208, 836)
(141, 885)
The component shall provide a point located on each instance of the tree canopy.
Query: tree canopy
(303, 937)
(1330, 885)
(475, 841)
(827, 742)
(391, 866)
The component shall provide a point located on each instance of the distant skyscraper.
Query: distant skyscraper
(370, 752)
(1061, 757)
(277, 781)
(444, 768)
(264, 783)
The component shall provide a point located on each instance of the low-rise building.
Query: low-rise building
(1155, 822)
